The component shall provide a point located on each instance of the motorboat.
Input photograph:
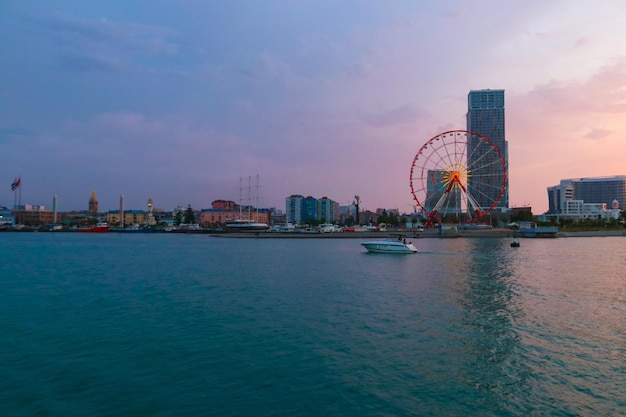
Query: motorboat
(390, 246)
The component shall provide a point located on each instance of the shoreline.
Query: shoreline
(494, 233)
(427, 234)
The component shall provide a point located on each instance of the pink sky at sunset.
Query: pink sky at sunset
(317, 98)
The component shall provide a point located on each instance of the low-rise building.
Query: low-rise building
(32, 215)
(587, 198)
(224, 211)
(130, 217)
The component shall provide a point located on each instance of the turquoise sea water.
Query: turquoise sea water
(187, 325)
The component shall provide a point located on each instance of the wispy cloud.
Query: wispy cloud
(318, 98)
(597, 133)
(104, 33)
(86, 63)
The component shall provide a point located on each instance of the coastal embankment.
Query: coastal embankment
(490, 233)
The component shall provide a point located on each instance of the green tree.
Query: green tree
(383, 218)
(188, 217)
(524, 215)
(178, 217)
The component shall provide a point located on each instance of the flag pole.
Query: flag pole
(19, 183)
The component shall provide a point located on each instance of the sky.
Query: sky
(183, 101)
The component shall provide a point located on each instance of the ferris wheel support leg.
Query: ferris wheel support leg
(474, 204)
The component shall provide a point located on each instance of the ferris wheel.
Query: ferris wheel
(457, 176)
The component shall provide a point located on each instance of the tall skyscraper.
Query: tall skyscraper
(485, 116)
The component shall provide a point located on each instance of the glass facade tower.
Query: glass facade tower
(485, 116)
(601, 190)
(590, 190)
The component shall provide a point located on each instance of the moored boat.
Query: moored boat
(400, 246)
(135, 228)
(98, 228)
(243, 225)
(530, 229)
(246, 224)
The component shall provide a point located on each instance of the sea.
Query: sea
(193, 325)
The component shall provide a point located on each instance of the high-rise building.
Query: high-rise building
(309, 209)
(303, 210)
(485, 116)
(293, 208)
(327, 210)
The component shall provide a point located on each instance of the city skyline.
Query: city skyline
(317, 98)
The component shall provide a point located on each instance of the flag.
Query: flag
(16, 184)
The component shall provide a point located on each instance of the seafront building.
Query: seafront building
(293, 208)
(32, 214)
(124, 217)
(130, 217)
(587, 198)
(303, 210)
(225, 211)
(485, 116)
(328, 210)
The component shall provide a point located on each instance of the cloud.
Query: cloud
(549, 134)
(103, 33)
(9, 133)
(596, 133)
(581, 42)
(325, 100)
(398, 116)
(86, 63)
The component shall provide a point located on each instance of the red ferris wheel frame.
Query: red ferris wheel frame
(458, 173)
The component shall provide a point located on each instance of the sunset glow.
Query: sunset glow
(177, 101)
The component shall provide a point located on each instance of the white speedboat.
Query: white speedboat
(390, 246)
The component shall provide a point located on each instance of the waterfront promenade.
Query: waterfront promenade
(429, 233)
(491, 233)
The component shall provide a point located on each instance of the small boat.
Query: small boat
(98, 228)
(390, 246)
(515, 243)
